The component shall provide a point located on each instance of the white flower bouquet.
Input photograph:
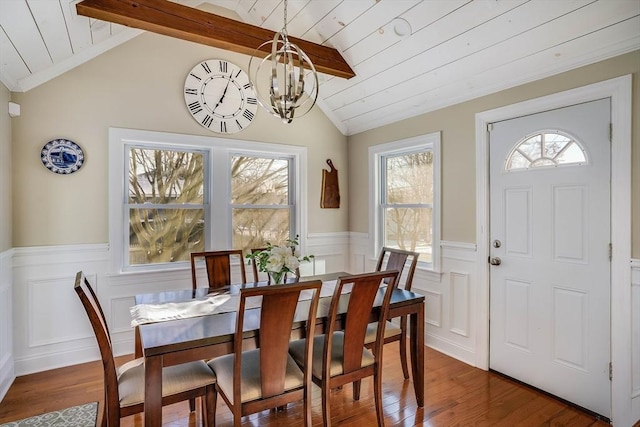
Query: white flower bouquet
(278, 261)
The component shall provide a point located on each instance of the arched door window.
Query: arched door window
(546, 149)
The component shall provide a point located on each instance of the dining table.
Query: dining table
(202, 337)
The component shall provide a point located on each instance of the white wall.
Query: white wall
(51, 329)
(448, 295)
(7, 373)
(6, 237)
(635, 339)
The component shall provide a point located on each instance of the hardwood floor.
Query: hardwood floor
(456, 395)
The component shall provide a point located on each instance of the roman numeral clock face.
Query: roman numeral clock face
(220, 97)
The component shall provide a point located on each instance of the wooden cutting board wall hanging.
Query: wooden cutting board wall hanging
(330, 197)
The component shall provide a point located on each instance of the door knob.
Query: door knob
(495, 260)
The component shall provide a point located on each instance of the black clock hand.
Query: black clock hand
(223, 94)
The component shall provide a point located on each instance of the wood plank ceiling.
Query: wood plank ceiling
(409, 56)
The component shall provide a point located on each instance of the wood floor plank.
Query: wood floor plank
(456, 394)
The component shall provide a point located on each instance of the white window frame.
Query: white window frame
(429, 141)
(218, 152)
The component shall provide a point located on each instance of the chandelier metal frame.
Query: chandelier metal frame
(290, 66)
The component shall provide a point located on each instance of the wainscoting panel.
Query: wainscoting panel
(448, 294)
(459, 310)
(433, 308)
(36, 285)
(51, 328)
(455, 334)
(48, 323)
(7, 371)
(635, 340)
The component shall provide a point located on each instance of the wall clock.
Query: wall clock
(62, 156)
(220, 96)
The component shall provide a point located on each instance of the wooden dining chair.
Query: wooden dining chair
(256, 273)
(218, 266)
(267, 377)
(124, 385)
(339, 356)
(395, 259)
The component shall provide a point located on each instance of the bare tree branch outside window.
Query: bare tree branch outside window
(166, 205)
(408, 202)
(260, 200)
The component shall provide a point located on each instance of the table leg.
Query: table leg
(153, 391)
(416, 333)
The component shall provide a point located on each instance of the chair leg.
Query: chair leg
(209, 401)
(403, 348)
(356, 389)
(237, 414)
(403, 357)
(377, 393)
(326, 407)
(306, 404)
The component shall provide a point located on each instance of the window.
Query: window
(548, 148)
(170, 195)
(166, 204)
(260, 201)
(406, 176)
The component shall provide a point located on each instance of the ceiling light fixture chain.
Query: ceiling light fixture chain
(292, 82)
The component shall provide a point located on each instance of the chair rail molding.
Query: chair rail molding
(31, 278)
(36, 284)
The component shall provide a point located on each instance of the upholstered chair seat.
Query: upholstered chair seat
(251, 381)
(390, 330)
(336, 367)
(175, 380)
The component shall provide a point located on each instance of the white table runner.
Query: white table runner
(219, 303)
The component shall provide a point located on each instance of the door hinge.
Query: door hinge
(489, 127)
(610, 251)
(610, 371)
(610, 132)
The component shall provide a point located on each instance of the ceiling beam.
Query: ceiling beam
(187, 23)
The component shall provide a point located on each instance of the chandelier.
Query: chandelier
(292, 81)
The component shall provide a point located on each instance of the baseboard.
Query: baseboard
(450, 348)
(59, 359)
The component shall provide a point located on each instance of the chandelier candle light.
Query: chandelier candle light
(278, 261)
(287, 77)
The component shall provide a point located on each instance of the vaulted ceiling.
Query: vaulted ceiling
(409, 56)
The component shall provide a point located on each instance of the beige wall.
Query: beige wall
(137, 85)
(5, 171)
(457, 124)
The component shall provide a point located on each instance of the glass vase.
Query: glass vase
(276, 277)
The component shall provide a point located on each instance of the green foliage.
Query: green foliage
(279, 259)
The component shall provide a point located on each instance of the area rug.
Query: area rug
(76, 416)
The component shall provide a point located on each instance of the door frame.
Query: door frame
(620, 91)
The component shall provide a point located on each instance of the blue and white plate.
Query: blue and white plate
(62, 156)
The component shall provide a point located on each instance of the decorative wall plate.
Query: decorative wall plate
(62, 156)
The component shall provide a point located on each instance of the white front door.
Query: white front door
(550, 233)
